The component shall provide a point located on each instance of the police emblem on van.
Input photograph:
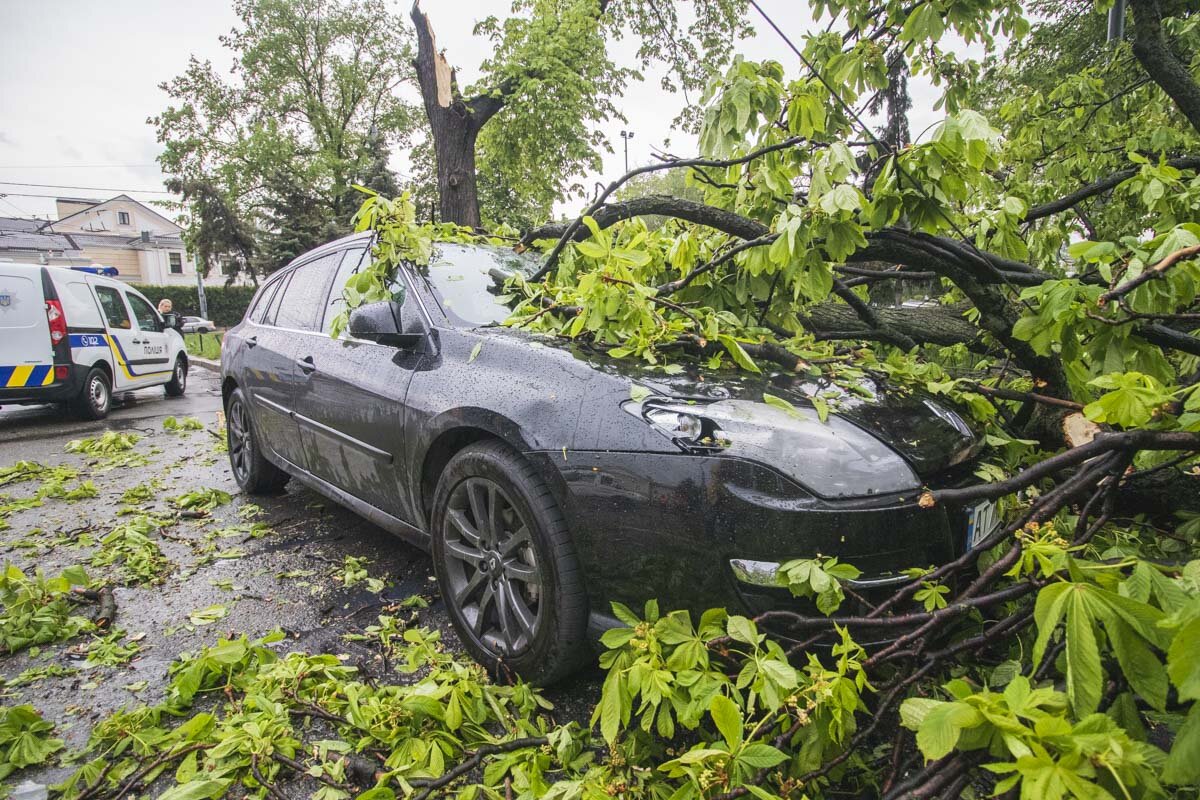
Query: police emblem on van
(7, 299)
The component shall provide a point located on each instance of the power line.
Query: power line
(77, 166)
(6, 193)
(83, 188)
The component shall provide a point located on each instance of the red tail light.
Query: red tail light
(57, 320)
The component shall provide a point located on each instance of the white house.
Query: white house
(140, 243)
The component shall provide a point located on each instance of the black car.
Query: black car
(549, 480)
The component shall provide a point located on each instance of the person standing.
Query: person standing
(165, 306)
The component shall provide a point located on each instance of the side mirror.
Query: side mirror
(172, 320)
(381, 323)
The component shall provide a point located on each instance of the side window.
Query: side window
(352, 262)
(145, 314)
(273, 305)
(304, 295)
(114, 307)
(263, 301)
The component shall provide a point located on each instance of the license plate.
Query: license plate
(982, 521)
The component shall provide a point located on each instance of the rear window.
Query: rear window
(21, 303)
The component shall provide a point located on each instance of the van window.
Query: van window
(305, 293)
(79, 306)
(114, 307)
(146, 317)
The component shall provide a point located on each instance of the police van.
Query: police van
(69, 336)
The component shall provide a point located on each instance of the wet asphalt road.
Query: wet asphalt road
(287, 579)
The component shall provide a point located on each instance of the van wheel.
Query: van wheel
(506, 566)
(251, 470)
(96, 398)
(178, 383)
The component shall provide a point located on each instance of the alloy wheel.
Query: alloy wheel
(180, 374)
(239, 440)
(494, 578)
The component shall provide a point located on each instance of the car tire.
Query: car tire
(252, 471)
(520, 562)
(95, 399)
(201, 330)
(178, 383)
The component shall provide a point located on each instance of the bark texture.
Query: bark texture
(454, 124)
(1154, 52)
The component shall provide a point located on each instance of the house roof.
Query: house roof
(20, 224)
(124, 242)
(98, 203)
(24, 240)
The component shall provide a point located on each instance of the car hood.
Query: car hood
(921, 436)
(930, 434)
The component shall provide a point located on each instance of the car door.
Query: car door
(154, 355)
(350, 402)
(123, 338)
(271, 344)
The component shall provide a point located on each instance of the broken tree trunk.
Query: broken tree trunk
(454, 124)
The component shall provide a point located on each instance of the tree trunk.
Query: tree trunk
(1153, 51)
(454, 150)
(454, 124)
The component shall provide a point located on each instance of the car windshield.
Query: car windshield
(468, 278)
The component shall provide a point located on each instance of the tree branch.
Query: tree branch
(1156, 271)
(1099, 187)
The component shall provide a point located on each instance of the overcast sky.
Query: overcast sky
(79, 79)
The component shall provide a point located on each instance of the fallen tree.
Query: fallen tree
(1063, 242)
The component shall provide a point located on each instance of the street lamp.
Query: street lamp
(627, 135)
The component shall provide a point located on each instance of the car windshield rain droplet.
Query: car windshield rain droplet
(468, 280)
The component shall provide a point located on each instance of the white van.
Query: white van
(68, 336)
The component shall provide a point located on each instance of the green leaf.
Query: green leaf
(728, 719)
(941, 727)
(758, 755)
(638, 393)
(1085, 676)
(779, 402)
(1183, 763)
(475, 352)
(195, 790)
(740, 356)
(1183, 662)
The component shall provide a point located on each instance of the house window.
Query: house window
(122, 217)
(176, 263)
(226, 266)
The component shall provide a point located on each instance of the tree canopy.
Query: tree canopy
(308, 111)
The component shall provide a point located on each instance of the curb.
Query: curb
(205, 363)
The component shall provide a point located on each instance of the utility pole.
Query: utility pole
(627, 135)
(1116, 21)
(200, 293)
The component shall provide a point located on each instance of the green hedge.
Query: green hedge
(226, 304)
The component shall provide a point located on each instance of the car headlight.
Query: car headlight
(673, 423)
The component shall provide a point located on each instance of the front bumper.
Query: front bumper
(670, 526)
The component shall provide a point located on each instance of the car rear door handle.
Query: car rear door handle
(306, 364)
(251, 342)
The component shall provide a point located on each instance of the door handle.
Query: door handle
(306, 364)
(251, 342)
